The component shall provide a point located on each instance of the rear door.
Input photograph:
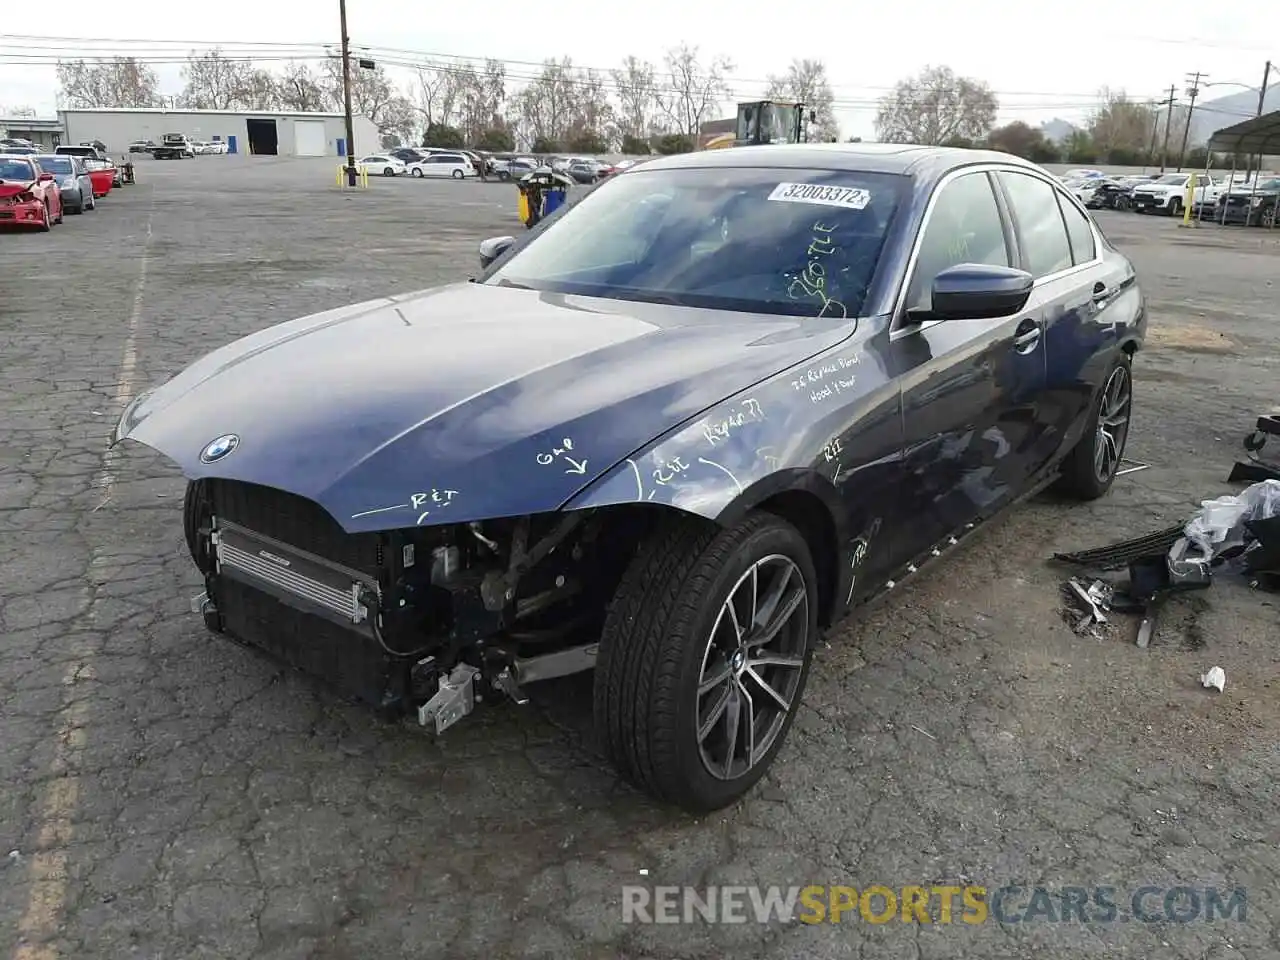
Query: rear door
(970, 388)
(1059, 246)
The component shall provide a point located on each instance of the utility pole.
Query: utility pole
(1154, 106)
(346, 95)
(1193, 91)
(1168, 123)
(1262, 91)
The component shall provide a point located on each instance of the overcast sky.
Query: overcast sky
(1044, 59)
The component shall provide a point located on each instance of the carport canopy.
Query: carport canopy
(1261, 135)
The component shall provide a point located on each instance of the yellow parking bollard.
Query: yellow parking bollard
(1189, 201)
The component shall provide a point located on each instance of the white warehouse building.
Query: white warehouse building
(263, 133)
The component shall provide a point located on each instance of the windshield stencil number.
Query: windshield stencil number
(851, 198)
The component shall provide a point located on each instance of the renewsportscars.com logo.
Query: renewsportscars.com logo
(972, 905)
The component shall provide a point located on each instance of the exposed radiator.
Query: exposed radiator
(294, 576)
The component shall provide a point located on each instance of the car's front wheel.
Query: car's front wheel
(1091, 467)
(1175, 207)
(417, 171)
(704, 656)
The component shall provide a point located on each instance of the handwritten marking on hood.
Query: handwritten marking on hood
(832, 450)
(560, 454)
(433, 499)
(719, 430)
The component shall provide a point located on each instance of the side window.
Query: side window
(1040, 223)
(1079, 232)
(964, 227)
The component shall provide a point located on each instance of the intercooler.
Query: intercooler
(289, 581)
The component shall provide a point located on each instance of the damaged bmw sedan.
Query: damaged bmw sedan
(670, 435)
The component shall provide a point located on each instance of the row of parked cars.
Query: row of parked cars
(39, 188)
(1249, 199)
(461, 164)
(177, 145)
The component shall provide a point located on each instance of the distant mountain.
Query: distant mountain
(1213, 115)
(1057, 129)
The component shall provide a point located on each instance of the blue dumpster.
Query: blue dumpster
(552, 200)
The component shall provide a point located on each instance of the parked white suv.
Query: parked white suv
(1168, 194)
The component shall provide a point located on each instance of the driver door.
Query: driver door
(969, 387)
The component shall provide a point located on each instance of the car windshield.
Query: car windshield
(1176, 179)
(16, 170)
(793, 242)
(62, 165)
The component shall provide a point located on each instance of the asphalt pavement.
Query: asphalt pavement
(167, 794)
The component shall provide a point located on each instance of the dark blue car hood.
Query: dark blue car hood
(495, 401)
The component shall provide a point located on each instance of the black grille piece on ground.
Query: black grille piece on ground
(1116, 556)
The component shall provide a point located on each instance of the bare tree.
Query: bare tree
(15, 113)
(214, 81)
(437, 94)
(637, 90)
(481, 93)
(1121, 124)
(691, 94)
(372, 93)
(547, 106)
(299, 89)
(935, 107)
(806, 81)
(117, 82)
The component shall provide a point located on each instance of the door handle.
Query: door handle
(1027, 336)
(1100, 292)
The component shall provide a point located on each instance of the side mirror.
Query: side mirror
(45, 178)
(493, 248)
(975, 291)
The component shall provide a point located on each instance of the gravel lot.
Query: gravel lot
(170, 795)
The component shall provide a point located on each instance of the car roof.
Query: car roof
(901, 158)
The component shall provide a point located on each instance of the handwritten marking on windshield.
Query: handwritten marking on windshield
(811, 284)
(561, 454)
(749, 411)
(766, 454)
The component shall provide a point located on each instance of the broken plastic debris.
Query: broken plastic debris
(1216, 677)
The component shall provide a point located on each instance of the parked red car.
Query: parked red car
(29, 197)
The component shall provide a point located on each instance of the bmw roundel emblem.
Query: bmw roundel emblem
(215, 450)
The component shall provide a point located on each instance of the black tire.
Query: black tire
(1175, 207)
(388, 172)
(660, 639)
(1082, 476)
(47, 224)
(458, 175)
(75, 210)
(417, 172)
(503, 175)
(62, 215)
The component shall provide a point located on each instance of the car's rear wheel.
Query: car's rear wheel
(388, 172)
(458, 174)
(1091, 467)
(704, 656)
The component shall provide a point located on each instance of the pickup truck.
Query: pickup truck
(1167, 194)
(174, 146)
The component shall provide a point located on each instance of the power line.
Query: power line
(169, 52)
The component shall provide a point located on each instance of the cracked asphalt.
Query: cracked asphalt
(166, 794)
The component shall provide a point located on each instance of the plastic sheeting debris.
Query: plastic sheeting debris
(1215, 678)
(1219, 524)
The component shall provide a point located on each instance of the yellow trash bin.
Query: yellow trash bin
(523, 207)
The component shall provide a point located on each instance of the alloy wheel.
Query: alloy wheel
(752, 667)
(1113, 424)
